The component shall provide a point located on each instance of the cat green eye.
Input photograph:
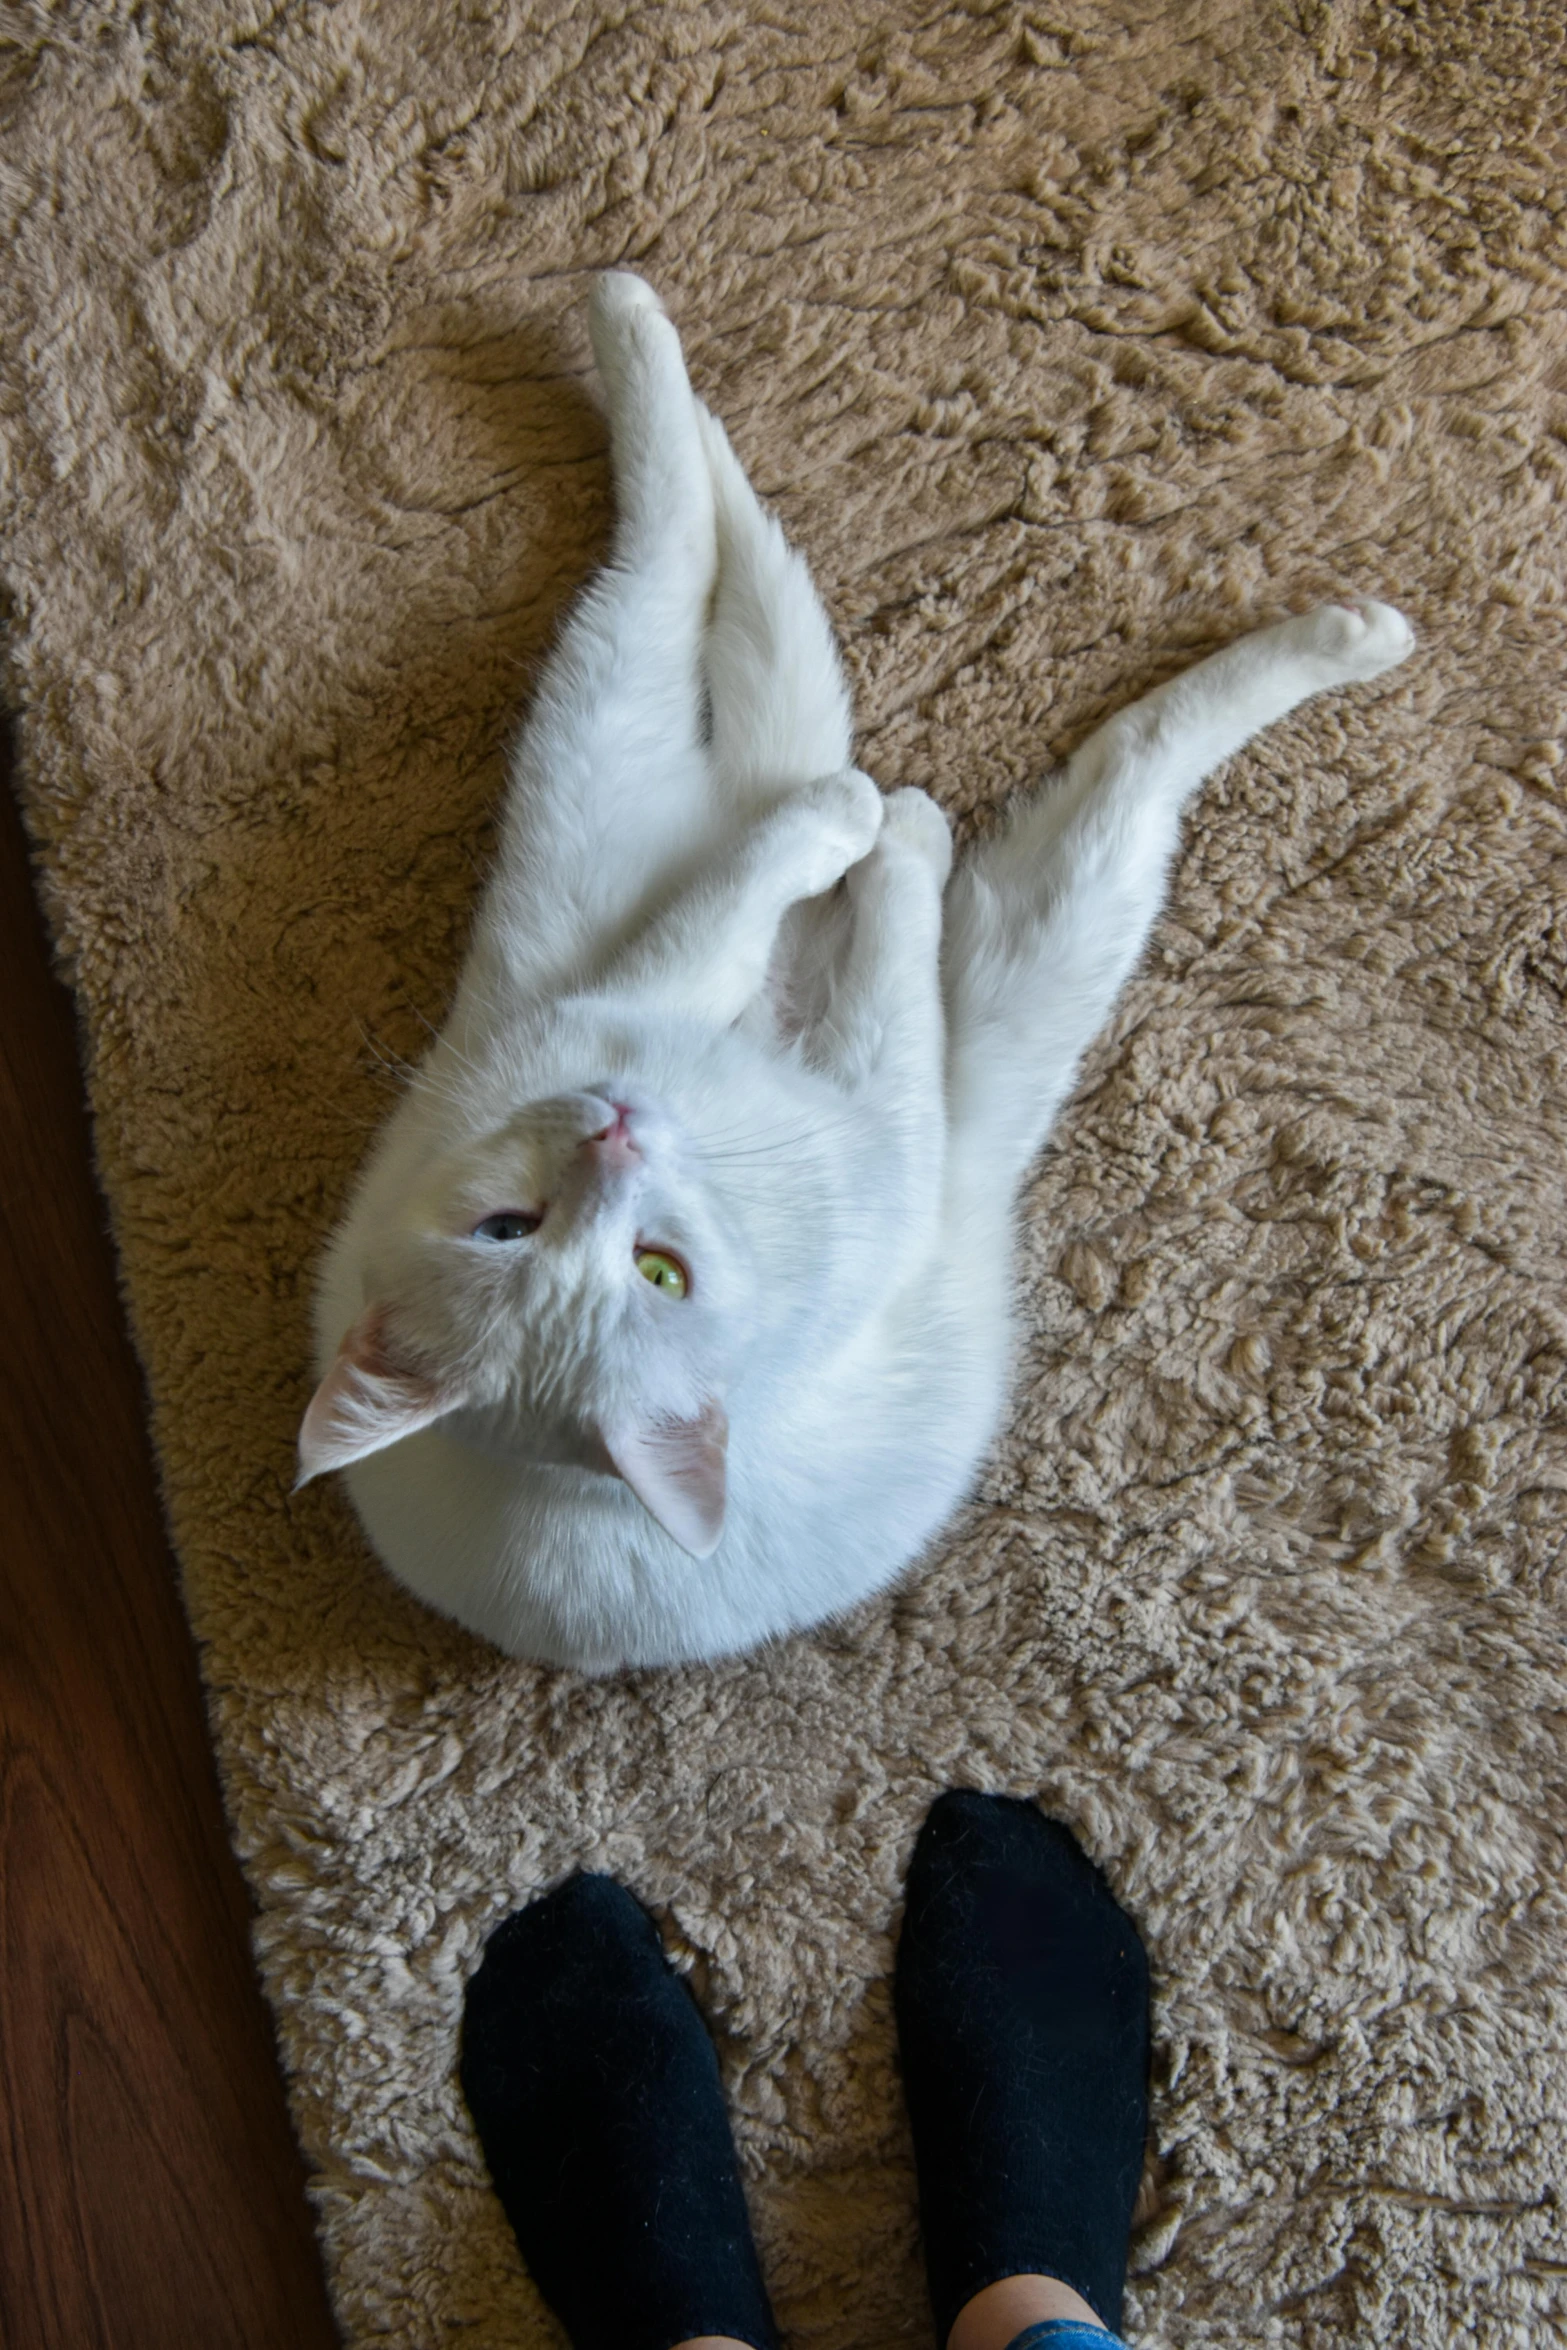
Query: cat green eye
(664, 1271)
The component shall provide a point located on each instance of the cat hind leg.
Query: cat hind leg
(611, 788)
(1046, 921)
(779, 699)
(663, 488)
(1212, 709)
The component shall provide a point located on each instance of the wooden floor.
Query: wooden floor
(151, 2196)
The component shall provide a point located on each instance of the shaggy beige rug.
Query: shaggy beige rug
(1069, 342)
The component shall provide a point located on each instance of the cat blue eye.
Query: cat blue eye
(510, 1224)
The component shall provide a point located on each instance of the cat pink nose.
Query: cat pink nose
(614, 1145)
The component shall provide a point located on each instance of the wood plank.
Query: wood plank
(150, 2190)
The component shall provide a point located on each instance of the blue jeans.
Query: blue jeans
(1064, 2333)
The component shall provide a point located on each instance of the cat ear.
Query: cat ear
(676, 1470)
(367, 1401)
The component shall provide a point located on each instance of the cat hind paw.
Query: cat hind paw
(622, 310)
(913, 819)
(1358, 637)
(618, 292)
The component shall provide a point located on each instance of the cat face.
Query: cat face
(571, 1286)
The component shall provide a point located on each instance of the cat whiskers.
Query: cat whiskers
(386, 1057)
(741, 1143)
(396, 1066)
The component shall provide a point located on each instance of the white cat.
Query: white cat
(671, 1311)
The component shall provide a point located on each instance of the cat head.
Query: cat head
(569, 1287)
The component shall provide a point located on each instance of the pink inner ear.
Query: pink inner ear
(678, 1471)
(368, 1400)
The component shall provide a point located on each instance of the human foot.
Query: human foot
(594, 2087)
(1022, 2003)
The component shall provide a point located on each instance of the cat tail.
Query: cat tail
(779, 699)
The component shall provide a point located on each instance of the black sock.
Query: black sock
(592, 2080)
(1022, 2002)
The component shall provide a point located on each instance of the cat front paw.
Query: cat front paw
(846, 813)
(1358, 638)
(914, 820)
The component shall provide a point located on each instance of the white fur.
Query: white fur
(836, 1070)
